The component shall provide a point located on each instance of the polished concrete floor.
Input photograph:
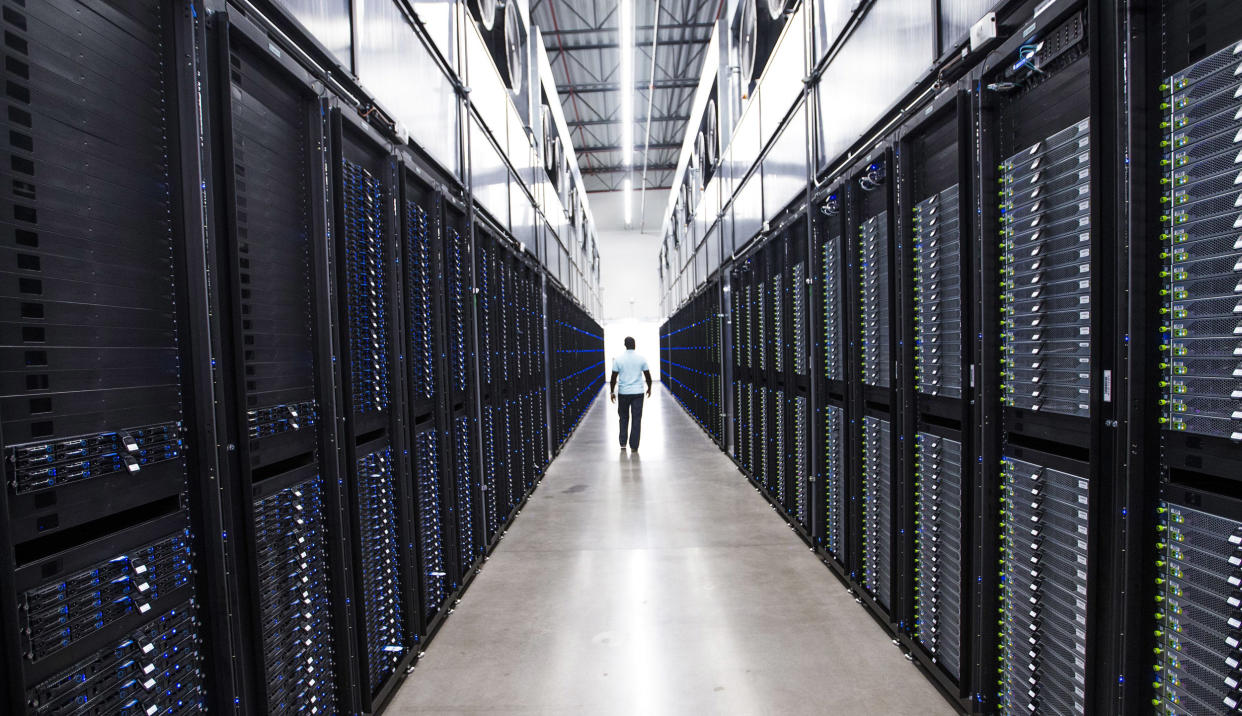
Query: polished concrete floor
(658, 582)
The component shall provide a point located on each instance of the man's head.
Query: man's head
(629, 343)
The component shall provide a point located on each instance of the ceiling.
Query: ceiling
(581, 40)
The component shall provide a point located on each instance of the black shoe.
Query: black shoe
(622, 447)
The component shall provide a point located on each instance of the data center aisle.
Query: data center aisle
(658, 582)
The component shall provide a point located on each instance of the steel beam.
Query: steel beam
(621, 169)
(616, 120)
(588, 87)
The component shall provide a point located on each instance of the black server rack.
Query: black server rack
(513, 367)
(870, 223)
(365, 242)
(772, 354)
(947, 403)
(740, 321)
(460, 430)
(800, 493)
(690, 360)
(833, 359)
(491, 317)
(1195, 530)
(274, 266)
(103, 572)
(421, 206)
(537, 377)
(575, 363)
(1041, 149)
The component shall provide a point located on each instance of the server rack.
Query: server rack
(283, 403)
(1057, 299)
(741, 320)
(513, 370)
(576, 368)
(947, 399)
(870, 216)
(690, 355)
(833, 360)
(104, 533)
(1191, 535)
(366, 271)
(423, 214)
(459, 432)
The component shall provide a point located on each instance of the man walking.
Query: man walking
(628, 366)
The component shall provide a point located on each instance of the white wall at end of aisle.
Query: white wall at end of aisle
(646, 339)
(628, 258)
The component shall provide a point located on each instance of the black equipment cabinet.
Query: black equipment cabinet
(1045, 149)
(798, 454)
(1186, 89)
(690, 359)
(460, 430)
(880, 454)
(104, 534)
(576, 368)
(365, 234)
(422, 214)
(951, 500)
(273, 259)
(833, 360)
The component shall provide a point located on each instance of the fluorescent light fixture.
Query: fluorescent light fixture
(629, 200)
(625, 20)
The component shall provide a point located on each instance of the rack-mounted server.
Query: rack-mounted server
(874, 269)
(1059, 296)
(690, 361)
(1047, 273)
(233, 302)
(576, 363)
(938, 561)
(1199, 202)
(877, 507)
(100, 522)
(1194, 608)
(938, 295)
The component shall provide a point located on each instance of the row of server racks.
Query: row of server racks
(990, 371)
(690, 361)
(271, 388)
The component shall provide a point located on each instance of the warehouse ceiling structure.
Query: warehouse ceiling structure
(583, 42)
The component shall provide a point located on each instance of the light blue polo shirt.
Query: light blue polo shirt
(629, 367)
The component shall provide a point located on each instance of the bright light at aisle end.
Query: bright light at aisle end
(629, 201)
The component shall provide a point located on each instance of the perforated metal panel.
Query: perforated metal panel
(876, 331)
(938, 295)
(1203, 382)
(938, 549)
(1046, 209)
(1044, 649)
(877, 548)
(1199, 611)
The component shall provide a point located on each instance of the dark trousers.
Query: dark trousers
(630, 406)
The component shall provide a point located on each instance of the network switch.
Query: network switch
(874, 316)
(1047, 274)
(937, 295)
(877, 497)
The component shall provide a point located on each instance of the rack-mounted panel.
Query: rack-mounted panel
(938, 295)
(367, 242)
(98, 510)
(275, 272)
(1047, 274)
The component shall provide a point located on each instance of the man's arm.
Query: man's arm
(647, 373)
(612, 387)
